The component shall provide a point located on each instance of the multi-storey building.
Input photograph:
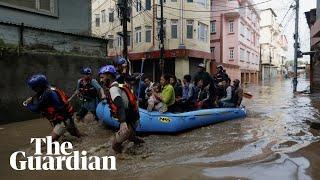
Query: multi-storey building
(273, 43)
(313, 19)
(235, 36)
(186, 34)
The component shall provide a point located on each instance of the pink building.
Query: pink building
(235, 36)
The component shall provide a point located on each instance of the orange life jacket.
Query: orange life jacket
(133, 108)
(55, 115)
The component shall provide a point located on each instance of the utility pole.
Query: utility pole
(270, 62)
(161, 62)
(296, 46)
(124, 13)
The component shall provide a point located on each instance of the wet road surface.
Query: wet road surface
(275, 141)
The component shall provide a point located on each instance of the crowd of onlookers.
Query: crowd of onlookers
(199, 91)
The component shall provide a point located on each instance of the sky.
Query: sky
(281, 7)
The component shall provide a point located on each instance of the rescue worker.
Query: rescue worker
(227, 100)
(122, 69)
(202, 74)
(53, 104)
(124, 106)
(88, 90)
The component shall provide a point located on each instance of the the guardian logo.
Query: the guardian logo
(59, 157)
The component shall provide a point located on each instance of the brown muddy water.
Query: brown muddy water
(275, 141)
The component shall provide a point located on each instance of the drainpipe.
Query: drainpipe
(221, 39)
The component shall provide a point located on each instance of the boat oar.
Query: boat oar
(73, 95)
(247, 95)
(141, 71)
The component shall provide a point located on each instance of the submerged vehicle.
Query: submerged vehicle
(155, 122)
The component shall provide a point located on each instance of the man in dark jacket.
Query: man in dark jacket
(202, 74)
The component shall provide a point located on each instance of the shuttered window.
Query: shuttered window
(37, 5)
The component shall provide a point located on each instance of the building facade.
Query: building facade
(235, 38)
(186, 26)
(72, 16)
(313, 19)
(274, 45)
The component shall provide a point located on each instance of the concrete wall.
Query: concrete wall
(50, 41)
(70, 16)
(62, 71)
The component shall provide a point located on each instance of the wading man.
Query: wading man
(53, 104)
(124, 107)
(88, 90)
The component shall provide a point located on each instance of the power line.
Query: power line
(286, 14)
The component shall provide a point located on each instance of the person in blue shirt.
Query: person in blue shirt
(88, 90)
(53, 104)
(189, 95)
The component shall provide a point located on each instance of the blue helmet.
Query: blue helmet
(86, 71)
(108, 69)
(37, 80)
(121, 61)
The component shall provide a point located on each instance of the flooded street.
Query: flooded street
(275, 141)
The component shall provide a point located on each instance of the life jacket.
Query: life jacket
(87, 90)
(132, 110)
(54, 115)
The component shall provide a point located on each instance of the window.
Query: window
(111, 18)
(148, 4)
(119, 38)
(212, 51)
(148, 33)
(248, 34)
(189, 29)
(242, 54)
(138, 5)
(103, 16)
(46, 6)
(202, 2)
(242, 29)
(231, 26)
(164, 28)
(129, 39)
(138, 35)
(110, 42)
(213, 27)
(173, 0)
(189, 1)
(248, 56)
(231, 53)
(174, 29)
(203, 32)
(97, 20)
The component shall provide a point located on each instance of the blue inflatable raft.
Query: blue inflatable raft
(155, 122)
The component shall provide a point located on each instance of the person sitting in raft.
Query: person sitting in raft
(53, 104)
(227, 100)
(167, 94)
(178, 93)
(237, 93)
(189, 96)
(203, 96)
(153, 102)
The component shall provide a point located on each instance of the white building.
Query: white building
(187, 38)
(273, 44)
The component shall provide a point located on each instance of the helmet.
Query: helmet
(108, 69)
(121, 61)
(86, 71)
(37, 80)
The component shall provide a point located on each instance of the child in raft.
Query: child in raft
(153, 103)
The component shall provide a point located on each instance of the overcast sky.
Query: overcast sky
(281, 7)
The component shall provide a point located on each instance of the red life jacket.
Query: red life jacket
(87, 90)
(54, 115)
(133, 109)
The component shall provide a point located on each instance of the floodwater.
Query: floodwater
(277, 140)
